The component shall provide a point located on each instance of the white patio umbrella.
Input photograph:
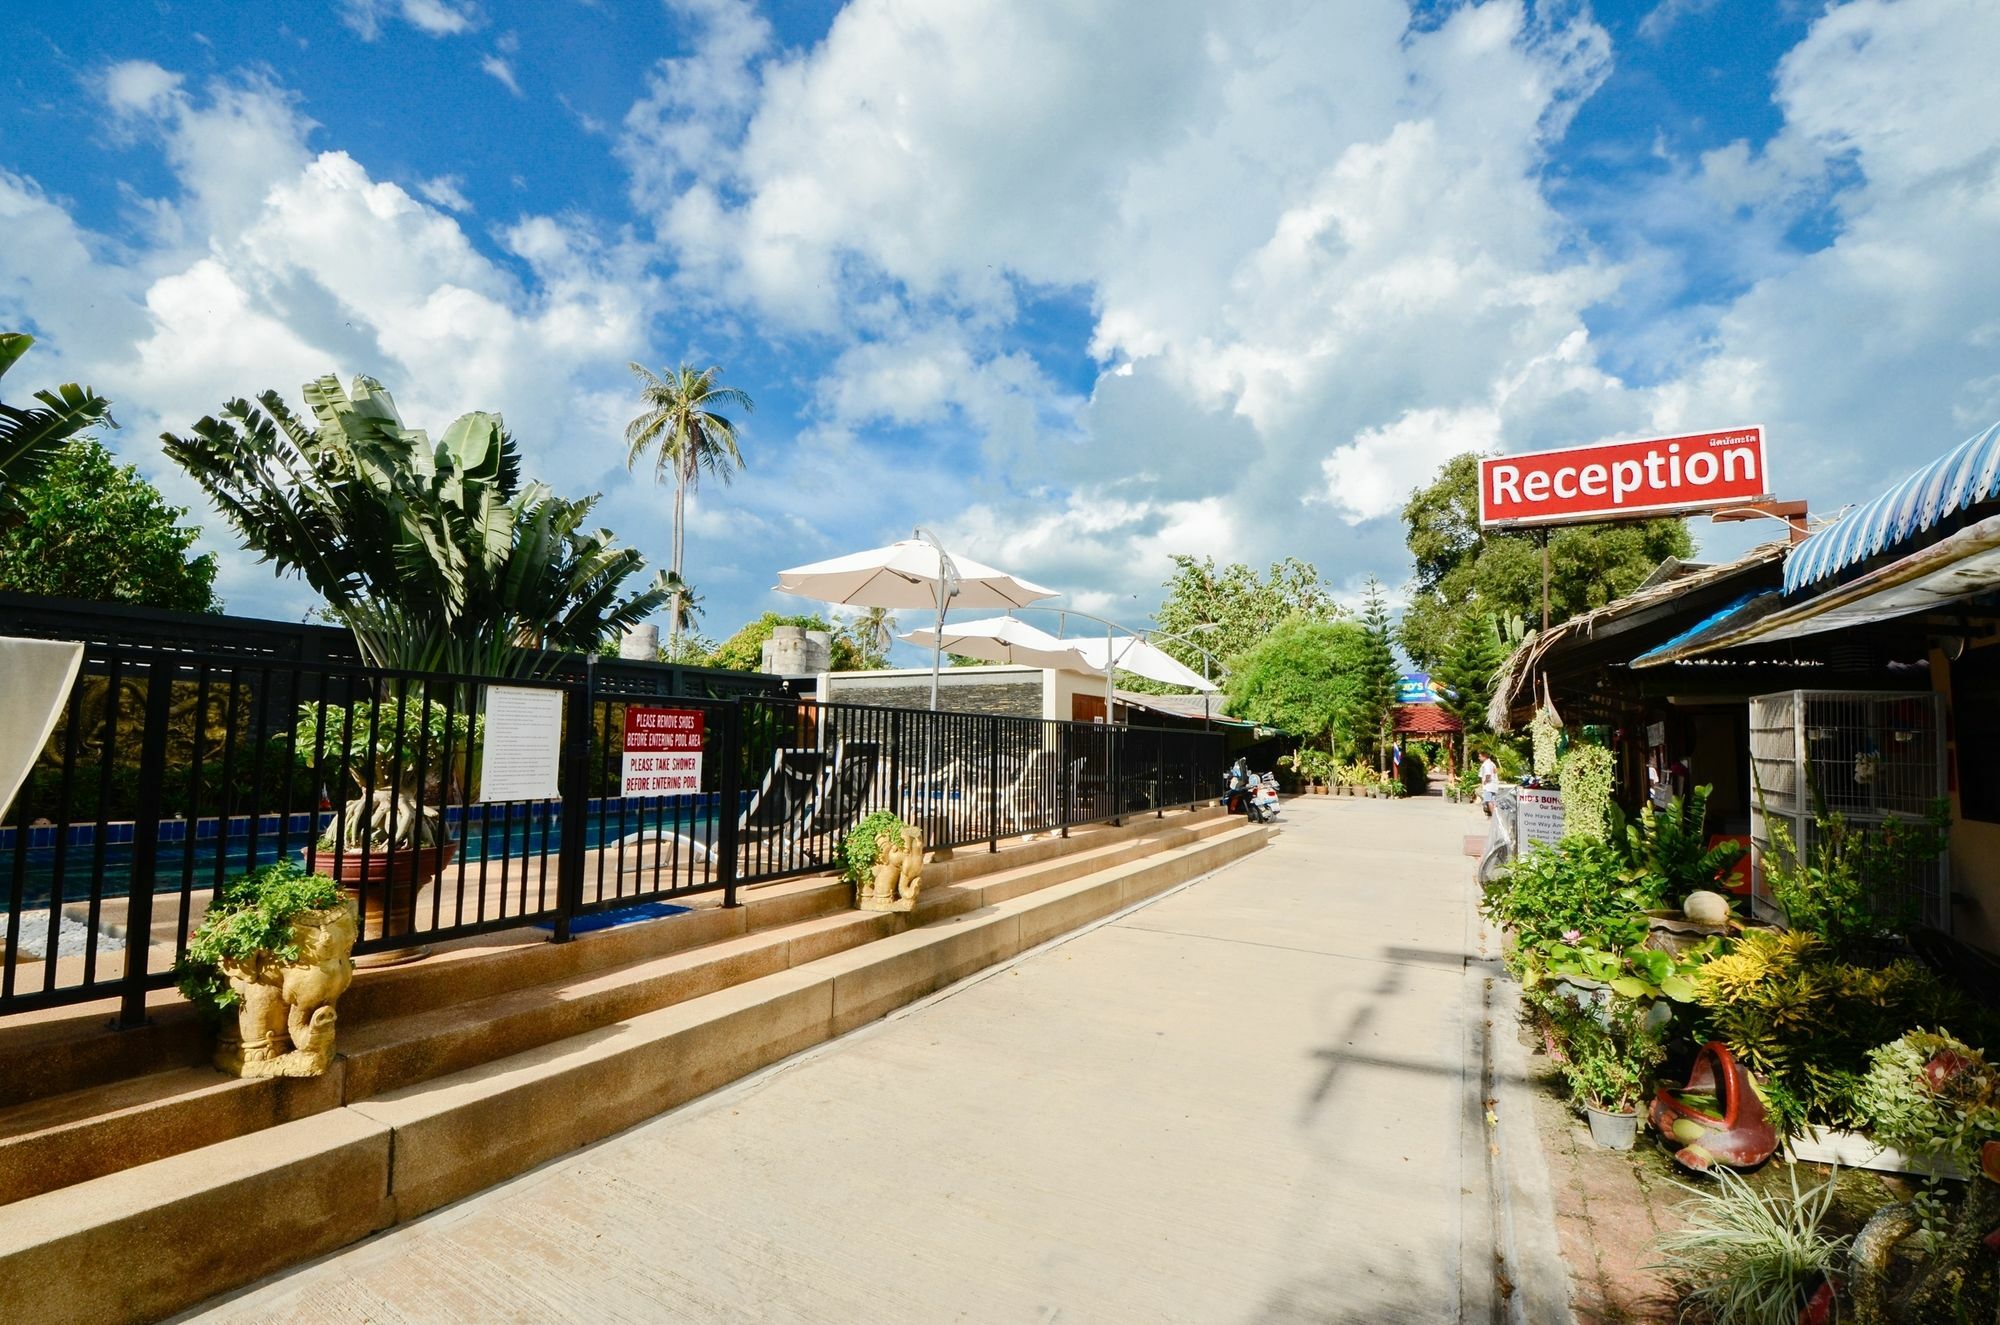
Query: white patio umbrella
(911, 572)
(1140, 658)
(1002, 639)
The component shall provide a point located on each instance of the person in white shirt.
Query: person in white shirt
(1489, 780)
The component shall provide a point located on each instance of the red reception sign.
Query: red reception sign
(662, 751)
(1619, 480)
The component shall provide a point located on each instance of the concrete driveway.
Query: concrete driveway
(1261, 1097)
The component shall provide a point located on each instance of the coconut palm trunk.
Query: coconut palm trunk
(683, 430)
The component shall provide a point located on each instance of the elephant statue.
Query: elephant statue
(285, 1019)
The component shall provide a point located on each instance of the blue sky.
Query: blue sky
(1079, 285)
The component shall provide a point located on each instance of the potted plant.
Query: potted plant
(405, 756)
(276, 950)
(1610, 1055)
(883, 858)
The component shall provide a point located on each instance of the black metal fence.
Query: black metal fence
(171, 773)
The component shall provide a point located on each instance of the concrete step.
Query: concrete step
(167, 1233)
(425, 1021)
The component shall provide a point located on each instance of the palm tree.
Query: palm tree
(872, 631)
(29, 438)
(680, 425)
(437, 556)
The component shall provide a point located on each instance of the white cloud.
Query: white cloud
(1662, 18)
(1290, 229)
(273, 265)
(436, 18)
(1084, 284)
(1373, 475)
(447, 191)
(503, 71)
(139, 87)
(1315, 247)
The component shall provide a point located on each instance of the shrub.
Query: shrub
(1587, 773)
(1845, 889)
(1609, 1056)
(1746, 1258)
(1789, 1008)
(1577, 887)
(1669, 848)
(1931, 1093)
(254, 914)
(863, 845)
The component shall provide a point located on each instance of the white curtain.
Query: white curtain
(35, 677)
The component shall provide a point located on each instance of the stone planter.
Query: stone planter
(385, 882)
(1612, 1131)
(284, 1025)
(897, 875)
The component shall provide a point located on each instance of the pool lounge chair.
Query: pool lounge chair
(791, 785)
(843, 796)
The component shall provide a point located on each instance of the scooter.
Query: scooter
(1240, 796)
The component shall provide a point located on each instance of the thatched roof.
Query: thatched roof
(1674, 584)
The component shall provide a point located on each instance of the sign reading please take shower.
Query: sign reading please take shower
(662, 751)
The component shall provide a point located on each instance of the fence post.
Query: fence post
(1115, 754)
(728, 792)
(145, 845)
(1160, 777)
(579, 701)
(993, 782)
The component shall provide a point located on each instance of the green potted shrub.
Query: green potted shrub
(883, 858)
(406, 757)
(275, 950)
(1610, 1056)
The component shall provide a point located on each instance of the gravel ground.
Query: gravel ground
(71, 940)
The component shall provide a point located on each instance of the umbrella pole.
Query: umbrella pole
(1108, 667)
(937, 641)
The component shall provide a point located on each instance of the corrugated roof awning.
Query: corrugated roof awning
(1181, 706)
(1962, 477)
(1956, 567)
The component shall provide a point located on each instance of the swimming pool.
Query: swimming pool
(203, 862)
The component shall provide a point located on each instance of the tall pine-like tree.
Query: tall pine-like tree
(1474, 658)
(1380, 673)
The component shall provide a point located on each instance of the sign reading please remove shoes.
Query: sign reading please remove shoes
(662, 752)
(1625, 480)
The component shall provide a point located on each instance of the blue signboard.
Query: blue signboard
(1416, 688)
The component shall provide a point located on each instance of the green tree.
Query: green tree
(744, 651)
(1308, 676)
(437, 558)
(89, 528)
(870, 635)
(1228, 609)
(1463, 571)
(30, 438)
(1379, 673)
(688, 438)
(1467, 674)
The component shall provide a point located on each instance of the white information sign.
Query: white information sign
(523, 749)
(1539, 817)
(662, 752)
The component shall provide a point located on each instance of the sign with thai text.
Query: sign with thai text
(1625, 480)
(662, 751)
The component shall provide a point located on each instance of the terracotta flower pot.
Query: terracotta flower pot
(385, 883)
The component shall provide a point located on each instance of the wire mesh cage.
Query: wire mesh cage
(1869, 758)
